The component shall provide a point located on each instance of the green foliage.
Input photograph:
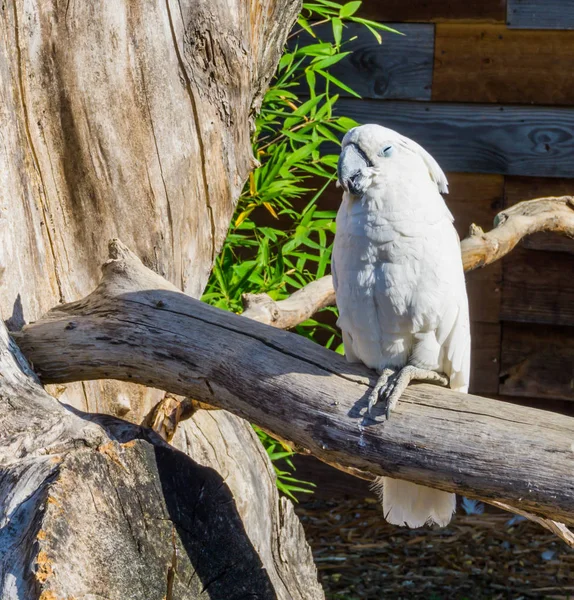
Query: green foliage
(295, 249)
(277, 451)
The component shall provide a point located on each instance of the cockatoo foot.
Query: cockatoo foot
(378, 392)
(394, 388)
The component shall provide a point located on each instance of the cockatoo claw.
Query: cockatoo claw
(402, 379)
(392, 384)
(380, 389)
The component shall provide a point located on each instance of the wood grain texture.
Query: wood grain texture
(538, 287)
(131, 121)
(520, 188)
(480, 138)
(133, 327)
(401, 68)
(434, 10)
(537, 361)
(147, 521)
(489, 63)
(540, 14)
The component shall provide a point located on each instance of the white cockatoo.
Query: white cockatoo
(400, 287)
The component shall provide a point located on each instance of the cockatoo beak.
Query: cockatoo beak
(350, 168)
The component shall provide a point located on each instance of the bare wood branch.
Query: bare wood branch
(478, 250)
(136, 327)
(558, 529)
(287, 313)
(169, 520)
(512, 224)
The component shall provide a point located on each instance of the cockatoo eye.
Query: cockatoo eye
(386, 151)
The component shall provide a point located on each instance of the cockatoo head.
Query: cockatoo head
(371, 150)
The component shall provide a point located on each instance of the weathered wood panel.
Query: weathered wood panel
(537, 361)
(434, 10)
(480, 138)
(477, 199)
(538, 287)
(489, 63)
(540, 14)
(523, 188)
(399, 68)
(485, 358)
(484, 288)
(474, 198)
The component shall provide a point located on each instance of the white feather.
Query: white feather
(400, 287)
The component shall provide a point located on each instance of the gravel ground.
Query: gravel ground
(480, 556)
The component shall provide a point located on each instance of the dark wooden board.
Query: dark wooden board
(537, 361)
(485, 358)
(517, 189)
(475, 198)
(332, 484)
(484, 288)
(540, 14)
(564, 407)
(489, 63)
(434, 10)
(538, 287)
(480, 138)
(401, 67)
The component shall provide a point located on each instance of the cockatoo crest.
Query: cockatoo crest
(369, 150)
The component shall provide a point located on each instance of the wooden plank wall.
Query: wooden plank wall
(487, 86)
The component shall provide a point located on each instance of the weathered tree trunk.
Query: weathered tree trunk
(94, 507)
(129, 119)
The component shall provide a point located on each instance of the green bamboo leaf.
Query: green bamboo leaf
(337, 26)
(311, 81)
(301, 153)
(323, 63)
(278, 455)
(336, 82)
(347, 122)
(322, 49)
(376, 25)
(349, 9)
(328, 134)
(304, 24)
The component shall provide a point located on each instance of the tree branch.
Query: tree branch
(512, 224)
(137, 327)
(478, 250)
